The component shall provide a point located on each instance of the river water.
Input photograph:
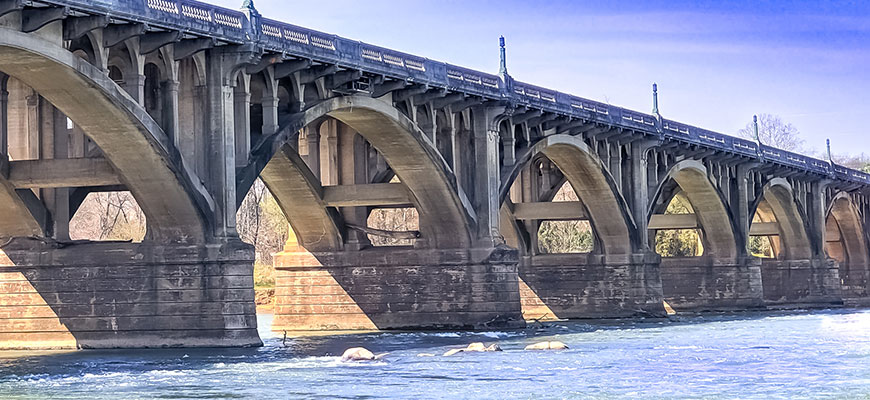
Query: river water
(796, 355)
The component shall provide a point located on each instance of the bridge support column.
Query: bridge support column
(801, 283)
(384, 288)
(708, 284)
(126, 295)
(569, 286)
(806, 282)
(4, 117)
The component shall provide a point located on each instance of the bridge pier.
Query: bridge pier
(709, 284)
(383, 288)
(126, 295)
(574, 286)
(801, 282)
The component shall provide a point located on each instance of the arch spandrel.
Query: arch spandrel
(174, 202)
(608, 213)
(716, 223)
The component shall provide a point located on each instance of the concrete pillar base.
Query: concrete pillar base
(855, 286)
(801, 282)
(569, 286)
(707, 284)
(397, 288)
(126, 295)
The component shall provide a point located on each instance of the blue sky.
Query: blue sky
(716, 63)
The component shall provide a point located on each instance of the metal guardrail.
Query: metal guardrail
(232, 26)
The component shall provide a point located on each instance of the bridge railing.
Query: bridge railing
(233, 26)
(188, 16)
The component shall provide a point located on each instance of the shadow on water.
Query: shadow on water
(71, 363)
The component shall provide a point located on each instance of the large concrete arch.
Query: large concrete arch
(174, 202)
(778, 196)
(846, 220)
(720, 239)
(300, 196)
(446, 217)
(607, 210)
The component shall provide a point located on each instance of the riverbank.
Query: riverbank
(264, 297)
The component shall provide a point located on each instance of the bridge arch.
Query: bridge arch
(175, 203)
(446, 217)
(716, 225)
(844, 238)
(777, 204)
(608, 213)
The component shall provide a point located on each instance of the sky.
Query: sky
(716, 62)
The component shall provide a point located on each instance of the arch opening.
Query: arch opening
(706, 215)
(680, 242)
(108, 216)
(356, 128)
(845, 241)
(562, 167)
(566, 235)
(778, 229)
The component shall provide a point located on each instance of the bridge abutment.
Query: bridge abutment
(708, 284)
(574, 286)
(397, 288)
(126, 295)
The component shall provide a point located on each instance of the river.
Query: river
(787, 355)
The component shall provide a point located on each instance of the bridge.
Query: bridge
(186, 104)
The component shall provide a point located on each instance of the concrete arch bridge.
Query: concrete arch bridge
(185, 105)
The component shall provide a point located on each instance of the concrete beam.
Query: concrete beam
(8, 6)
(115, 34)
(674, 221)
(62, 173)
(764, 229)
(77, 27)
(377, 194)
(189, 47)
(382, 89)
(288, 68)
(151, 42)
(556, 210)
(690, 221)
(34, 18)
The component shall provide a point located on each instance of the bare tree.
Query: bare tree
(109, 216)
(774, 132)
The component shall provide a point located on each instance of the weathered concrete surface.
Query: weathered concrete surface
(397, 288)
(801, 282)
(173, 199)
(707, 284)
(568, 286)
(126, 295)
(855, 288)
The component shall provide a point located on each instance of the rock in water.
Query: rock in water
(476, 347)
(493, 347)
(452, 352)
(359, 354)
(552, 345)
